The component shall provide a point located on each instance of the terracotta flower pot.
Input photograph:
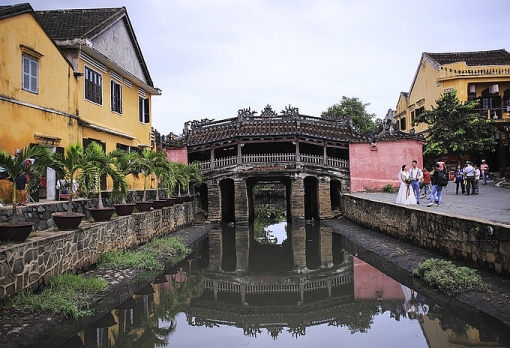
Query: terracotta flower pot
(143, 206)
(170, 202)
(67, 221)
(101, 214)
(158, 204)
(179, 200)
(188, 198)
(15, 232)
(124, 209)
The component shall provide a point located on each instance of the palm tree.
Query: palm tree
(126, 164)
(161, 166)
(101, 164)
(149, 163)
(16, 167)
(182, 177)
(195, 173)
(169, 179)
(73, 161)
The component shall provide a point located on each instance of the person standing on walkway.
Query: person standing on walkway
(405, 193)
(477, 178)
(416, 177)
(425, 184)
(484, 167)
(469, 174)
(436, 194)
(459, 180)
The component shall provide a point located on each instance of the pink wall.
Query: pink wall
(371, 168)
(177, 155)
(368, 281)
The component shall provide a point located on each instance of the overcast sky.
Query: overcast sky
(212, 58)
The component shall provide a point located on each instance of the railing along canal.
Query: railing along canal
(276, 157)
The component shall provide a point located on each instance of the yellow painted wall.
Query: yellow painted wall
(431, 83)
(32, 113)
(102, 115)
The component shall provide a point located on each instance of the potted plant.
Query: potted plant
(195, 176)
(182, 179)
(160, 167)
(144, 166)
(30, 161)
(69, 164)
(90, 178)
(126, 164)
(169, 181)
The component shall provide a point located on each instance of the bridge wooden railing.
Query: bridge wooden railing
(276, 157)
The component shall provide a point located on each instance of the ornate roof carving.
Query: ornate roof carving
(288, 124)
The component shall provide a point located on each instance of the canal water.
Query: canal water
(283, 286)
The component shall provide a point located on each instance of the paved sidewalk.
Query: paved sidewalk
(491, 203)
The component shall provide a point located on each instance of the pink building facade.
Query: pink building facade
(373, 166)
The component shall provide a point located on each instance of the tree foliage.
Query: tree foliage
(354, 108)
(455, 127)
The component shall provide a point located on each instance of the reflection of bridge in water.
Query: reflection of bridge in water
(313, 284)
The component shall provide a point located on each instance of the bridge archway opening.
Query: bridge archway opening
(335, 189)
(203, 197)
(227, 189)
(311, 185)
(272, 193)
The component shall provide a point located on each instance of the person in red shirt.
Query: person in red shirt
(425, 183)
(484, 168)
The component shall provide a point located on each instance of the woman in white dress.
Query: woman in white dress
(405, 193)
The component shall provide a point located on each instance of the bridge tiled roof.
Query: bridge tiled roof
(270, 126)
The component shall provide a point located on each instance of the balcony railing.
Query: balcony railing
(276, 158)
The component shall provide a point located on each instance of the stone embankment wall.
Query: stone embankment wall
(481, 243)
(40, 212)
(47, 253)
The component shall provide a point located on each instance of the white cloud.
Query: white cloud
(212, 58)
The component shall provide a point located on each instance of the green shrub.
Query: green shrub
(449, 278)
(388, 188)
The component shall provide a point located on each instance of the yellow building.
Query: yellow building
(71, 76)
(481, 75)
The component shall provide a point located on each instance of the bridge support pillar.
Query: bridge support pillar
(241, 201)
(325, 210)
(297, 199)
(242, 248)
(214, 201)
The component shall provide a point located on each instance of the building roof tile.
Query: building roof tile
(77, 23)
(494, 57)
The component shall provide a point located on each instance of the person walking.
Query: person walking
(469, 174)
(416, 177)
(484, 167)
(425, 184)
(459, 180)
(436, 194)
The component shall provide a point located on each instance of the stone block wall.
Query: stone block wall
(477, 242)
(325, 211)
(297, 201)
(30, 264)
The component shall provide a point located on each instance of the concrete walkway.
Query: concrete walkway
(491, 203)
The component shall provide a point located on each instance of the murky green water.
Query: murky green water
(283, 287)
